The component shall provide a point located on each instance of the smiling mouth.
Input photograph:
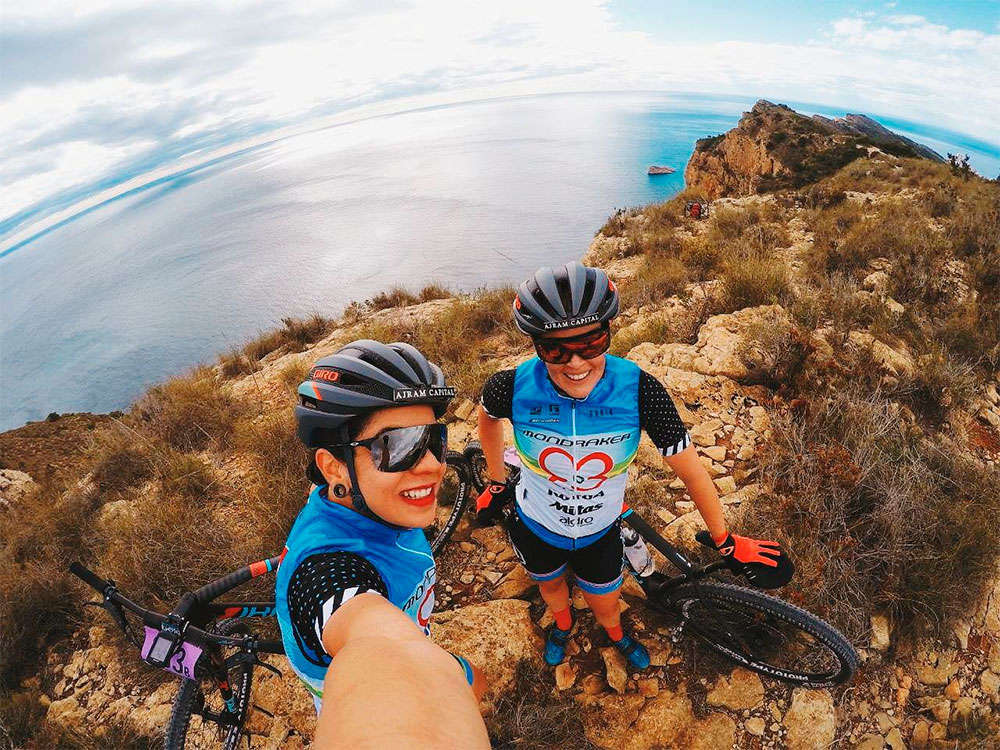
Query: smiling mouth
(419, 496)
(577, 378)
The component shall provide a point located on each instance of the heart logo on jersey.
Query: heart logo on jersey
(558, 463)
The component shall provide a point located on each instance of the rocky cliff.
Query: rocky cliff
(834, 352)
(774, 147)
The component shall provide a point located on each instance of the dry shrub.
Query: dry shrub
(656, 280)
(752, 224)
(294, 336)
(39, 537)
(878, 517)
(274, 488)
(753, 280)
(617, 223)
(703, 257)
(37, 602)
(294, 373)
(529, 717)
(937, 385)
(397, 296)
(120, 461)
(185, 474)
(657, 330)
(160, 545)
(434, 291)
(188, 413)
(23, 724)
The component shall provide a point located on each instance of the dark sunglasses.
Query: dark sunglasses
(588, 345)
(402, 448)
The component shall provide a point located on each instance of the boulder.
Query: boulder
(615, 668)
(893, 361)
(741, 690)
(810, 722)
(494, 636)
(881, 631)
(14, 486)
(726, 345)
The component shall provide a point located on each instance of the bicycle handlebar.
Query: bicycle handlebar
(155, 619)
(214, 589)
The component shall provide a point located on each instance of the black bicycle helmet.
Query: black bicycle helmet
(564, 297)
(360, 378)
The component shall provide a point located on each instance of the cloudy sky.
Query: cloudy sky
(96, 92)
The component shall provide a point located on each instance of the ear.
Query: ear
(332, 468)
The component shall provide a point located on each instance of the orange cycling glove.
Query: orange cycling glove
(762, 563)
(491, 501)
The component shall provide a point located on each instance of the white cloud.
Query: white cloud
(88, 86)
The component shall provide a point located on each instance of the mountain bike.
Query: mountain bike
(453, 497)
(206, 643)
(756, 630)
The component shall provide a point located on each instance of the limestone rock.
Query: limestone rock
(939, 671)
(755, 726)
(881, 632)
(990, 683)
(494, 636)
(565, 676)
(726, 346)
(742, 689)
(894, 362)
(615, 669)
(810, 722)
(515, 585)
(14, 486)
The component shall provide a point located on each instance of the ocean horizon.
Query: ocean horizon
(137, 288)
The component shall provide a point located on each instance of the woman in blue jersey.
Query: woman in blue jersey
(355, 589)
(577, 415)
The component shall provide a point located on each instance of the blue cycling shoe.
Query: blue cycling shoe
(634, 651)
(555, 646)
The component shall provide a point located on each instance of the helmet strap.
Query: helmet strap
(357, 499)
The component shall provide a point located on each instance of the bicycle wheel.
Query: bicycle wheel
(764, 633)
(201, 694)
(452, 499)
(477, 465)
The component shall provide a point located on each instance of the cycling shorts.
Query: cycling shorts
(596, 567)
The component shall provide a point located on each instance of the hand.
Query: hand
(491, 501)
(762, 563)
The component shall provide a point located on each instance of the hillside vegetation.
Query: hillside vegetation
(831, 335)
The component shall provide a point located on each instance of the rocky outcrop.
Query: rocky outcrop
(774, 147)
(880, 135)
(727, 345)
(14, 485)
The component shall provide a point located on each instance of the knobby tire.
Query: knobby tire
(187, 697)
(747, 601)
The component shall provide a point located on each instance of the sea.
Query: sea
(147, 284)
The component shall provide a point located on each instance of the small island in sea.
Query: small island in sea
(660, 170)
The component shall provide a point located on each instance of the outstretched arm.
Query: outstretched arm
(390, 686)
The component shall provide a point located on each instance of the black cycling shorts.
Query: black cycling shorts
(596, 567)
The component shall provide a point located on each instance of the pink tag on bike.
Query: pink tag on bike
(182, 662)
(510, 457)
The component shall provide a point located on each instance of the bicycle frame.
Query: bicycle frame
(689, 571)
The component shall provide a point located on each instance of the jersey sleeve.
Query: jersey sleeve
(498, 395)
(319, 586)
(659, 418)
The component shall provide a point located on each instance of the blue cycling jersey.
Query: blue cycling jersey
(402, 558)
(576, 452)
